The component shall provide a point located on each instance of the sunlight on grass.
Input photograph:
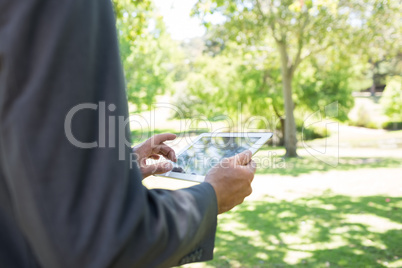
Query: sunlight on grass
(294, 257)
(317, 231)
(267, 164)
(301, 228)
(374, 223)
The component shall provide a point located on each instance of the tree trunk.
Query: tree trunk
(282, 122)
(281, 143)
(290, 125)
(373, 87)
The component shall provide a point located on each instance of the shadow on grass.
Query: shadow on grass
(326, 231)
(305, 165)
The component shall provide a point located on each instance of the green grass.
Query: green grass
(321, 230)
(368, 140)
(318, 231)
(308, 164)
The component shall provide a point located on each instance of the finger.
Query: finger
(249, 169)
(249, 191)
(166, 151)
(172, 156)
(160, 138)
(154, 156)
(252, 166)
(158, 168)
(243, 158)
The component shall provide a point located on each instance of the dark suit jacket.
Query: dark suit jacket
(64, 206)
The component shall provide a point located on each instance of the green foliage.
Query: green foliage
(378, 42)
(364, 119)
(312, 133)
(146, 51)
(381, 33)
(218, 84)
(222, 85)
(323, 80)
(242, 63)
(295, 31)
(392, 99)
(133, 16)
(204, 94)
(331, 32)
(392, 125)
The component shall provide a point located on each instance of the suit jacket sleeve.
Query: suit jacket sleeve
(61, 89)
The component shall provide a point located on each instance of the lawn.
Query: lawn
(306, 213)
(332, 218)
(314, 231)
(309, 164)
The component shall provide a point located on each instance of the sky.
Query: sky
(179, 23)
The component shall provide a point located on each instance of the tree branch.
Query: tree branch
(298, 59)
(316, 51)
(270, 22)
(276, 111)
(258, 4)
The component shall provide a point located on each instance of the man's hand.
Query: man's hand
(231, 179)
(153, 148)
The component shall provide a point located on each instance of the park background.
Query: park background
(324, 76)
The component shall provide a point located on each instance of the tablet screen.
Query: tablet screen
(208, 151)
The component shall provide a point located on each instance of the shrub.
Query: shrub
(312, 133)
(392, 125)
(363, 119)
(392, 99)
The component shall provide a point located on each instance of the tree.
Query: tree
(324, 79)
(133, 15)
(392, 99)
(382, 34)
(222, 80)
(146, 51)
(299, 29)
(218, 84)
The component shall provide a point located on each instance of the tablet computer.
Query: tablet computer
(208, 149)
